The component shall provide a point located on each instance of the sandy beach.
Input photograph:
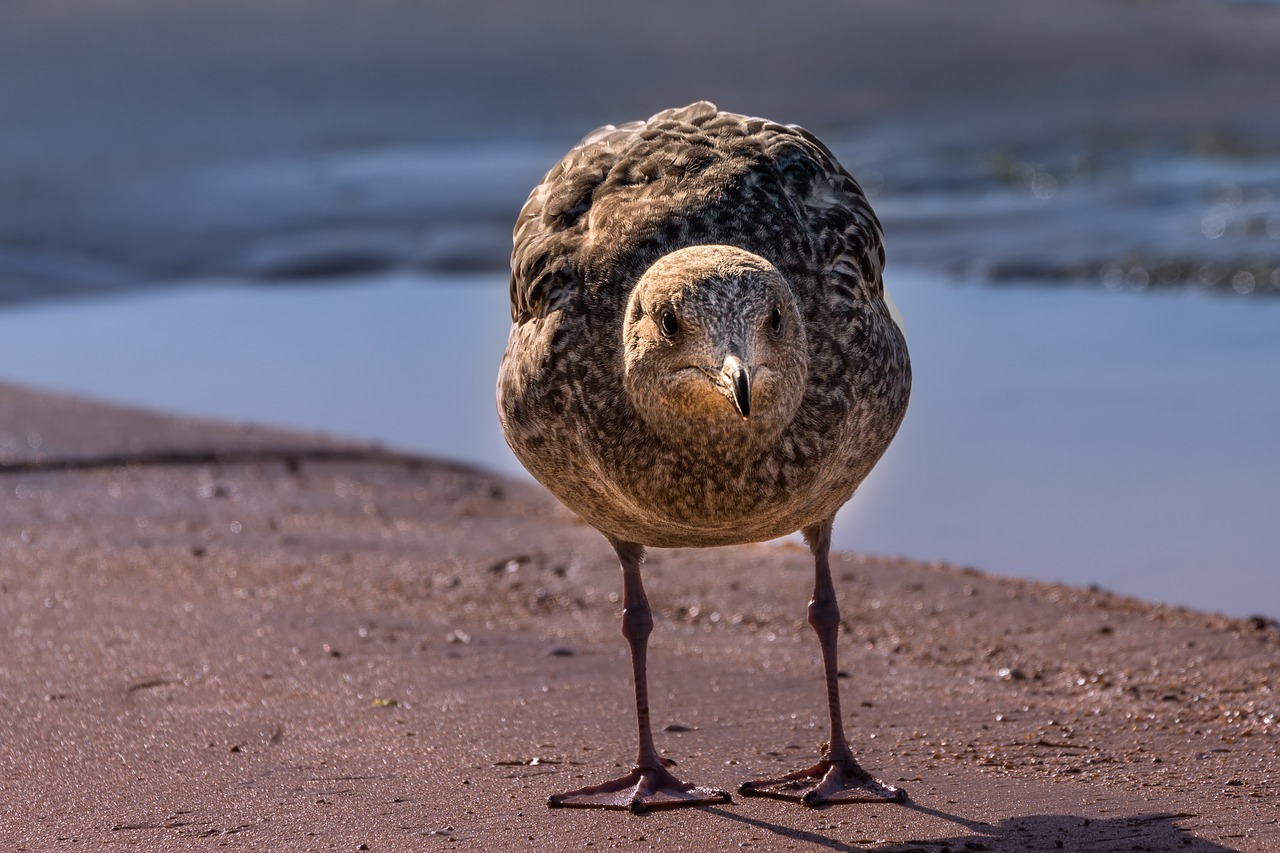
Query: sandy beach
(217, 634)
(221, 634)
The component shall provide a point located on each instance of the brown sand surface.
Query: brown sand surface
(300, 644)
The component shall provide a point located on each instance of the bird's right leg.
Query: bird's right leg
(837, 778)
(649, 785)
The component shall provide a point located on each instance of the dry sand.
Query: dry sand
(269, 641)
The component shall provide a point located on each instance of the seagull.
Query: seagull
(702, 353)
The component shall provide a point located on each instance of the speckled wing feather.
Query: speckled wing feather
(624, 196)
(619, 200)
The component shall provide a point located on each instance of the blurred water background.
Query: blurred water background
(299, 213)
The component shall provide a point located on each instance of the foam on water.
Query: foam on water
(1089, 208)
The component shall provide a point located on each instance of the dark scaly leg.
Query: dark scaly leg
(837, 778)
(649, 785)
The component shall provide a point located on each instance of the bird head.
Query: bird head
(714, 347)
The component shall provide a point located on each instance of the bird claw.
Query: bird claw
(643, 789)
(826, 783)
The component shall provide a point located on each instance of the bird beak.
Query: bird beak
(737, 381)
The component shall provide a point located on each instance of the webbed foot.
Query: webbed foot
(827, 782)
(643, 789)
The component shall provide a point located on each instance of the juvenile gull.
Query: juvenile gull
(702, 353)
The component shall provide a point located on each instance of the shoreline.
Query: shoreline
(1176, 369)
(329, 651)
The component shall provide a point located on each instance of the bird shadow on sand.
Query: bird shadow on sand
(1158, 831)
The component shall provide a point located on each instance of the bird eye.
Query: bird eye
(775, 319)
(667, 322)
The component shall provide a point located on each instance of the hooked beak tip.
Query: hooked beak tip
(738, 378)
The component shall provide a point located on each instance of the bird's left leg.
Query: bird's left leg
(837, 778)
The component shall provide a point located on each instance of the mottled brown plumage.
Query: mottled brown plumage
(701, 354)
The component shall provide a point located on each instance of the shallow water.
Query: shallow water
(1067, 434)
(1128, 213)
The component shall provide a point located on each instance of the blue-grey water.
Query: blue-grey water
(1075, 434)
(1074, 208)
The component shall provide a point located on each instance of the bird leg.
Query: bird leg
(837, 778)
(649, 785)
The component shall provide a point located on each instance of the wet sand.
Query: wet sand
(278, 641)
